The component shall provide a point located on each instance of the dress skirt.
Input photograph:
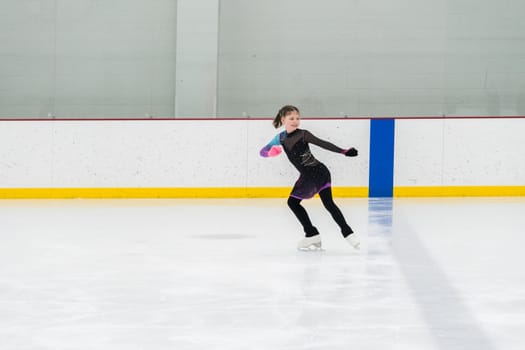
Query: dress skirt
(313, 179)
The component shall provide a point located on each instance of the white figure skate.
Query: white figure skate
(353, 240)
(310, 243)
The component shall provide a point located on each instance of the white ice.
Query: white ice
(225, 274)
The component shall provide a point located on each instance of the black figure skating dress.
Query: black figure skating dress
(314, 175)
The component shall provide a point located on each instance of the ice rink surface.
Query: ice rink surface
(225, 274)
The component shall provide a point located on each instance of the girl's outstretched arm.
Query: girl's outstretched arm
(309, 137)
(273, 148)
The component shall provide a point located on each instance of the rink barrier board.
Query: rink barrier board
(250, 192)
(376, 181)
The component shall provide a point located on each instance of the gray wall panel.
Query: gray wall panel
(380, 57)
(119, 58)
(87, 58)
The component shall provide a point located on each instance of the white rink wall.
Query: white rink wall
(166, 153)
(225, 153)
(460, 152)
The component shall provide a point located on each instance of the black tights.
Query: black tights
(328, 202)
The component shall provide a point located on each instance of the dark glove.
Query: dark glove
(352, 152)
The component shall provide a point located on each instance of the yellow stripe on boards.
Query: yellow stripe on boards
(251, 192)
(459, 191)
(348, 192)
(201, 192)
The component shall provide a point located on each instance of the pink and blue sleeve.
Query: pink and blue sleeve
(273, 148)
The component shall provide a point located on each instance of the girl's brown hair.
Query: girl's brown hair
(282, 113)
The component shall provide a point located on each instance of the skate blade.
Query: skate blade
(311, 248)
(356, 246)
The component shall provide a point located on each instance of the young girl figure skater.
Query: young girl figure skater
(314, 176)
